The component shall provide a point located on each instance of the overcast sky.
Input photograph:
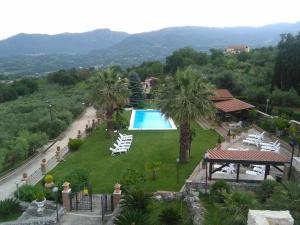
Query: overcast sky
(133, 16)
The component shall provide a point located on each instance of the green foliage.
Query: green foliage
(136, 200)
(132, 180)
(184, 97)
(135, 86)
(183, 58)
(132, 217)
(285, 98)
(268, 125)
(266, 190)
(8, 207)
(78, 178)
(48, 178)
(27, 193)
(153, 168)
(219, 190)
(287, 64)
(170, 216)
(109, 92)
(237, 205)
(74, 144)
(149, 68)
(281, 123)
(40, 197)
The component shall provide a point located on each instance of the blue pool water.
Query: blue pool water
(150, 119)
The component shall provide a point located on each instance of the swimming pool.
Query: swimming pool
(150, 120)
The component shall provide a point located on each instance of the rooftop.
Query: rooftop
(232, 105)
(256, 157)
(221, 94)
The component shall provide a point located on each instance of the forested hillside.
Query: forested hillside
(29, 54)
(29, 121)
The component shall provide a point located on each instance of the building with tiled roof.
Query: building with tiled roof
(235, 49)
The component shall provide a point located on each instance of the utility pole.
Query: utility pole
(50, 111)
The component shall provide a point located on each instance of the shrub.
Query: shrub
(265, 190)
(74, 144)
(281, 123)
(78, 178)
(170, 216)
(153, 168)
(9, 206)
(27, 193)
(48, 179)
(268, 125)
(136, 199)
(135, 217)
(40, 197)
(219, 189)
(132, 179)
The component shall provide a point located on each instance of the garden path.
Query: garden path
(8, 185)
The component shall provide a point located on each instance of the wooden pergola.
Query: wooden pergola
(225, 157)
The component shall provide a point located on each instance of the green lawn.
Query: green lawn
(106, 170)
(11, 217)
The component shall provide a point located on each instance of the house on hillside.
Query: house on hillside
(235, 49)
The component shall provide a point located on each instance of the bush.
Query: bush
(8, 207)
(136, 199)
(265, 190)
(48, 179)
(74, 144)
(268, 125)
(219, 189)
(170, 216)
(40, 197)
(281, 123)
(132, 179)
(285, 98)
(78, 178)
(135, 217)
(27, 193)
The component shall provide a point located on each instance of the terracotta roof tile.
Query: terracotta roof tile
(232, 105)
(257, 156)
(221, 94)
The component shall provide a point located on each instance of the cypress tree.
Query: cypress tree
(137, 94)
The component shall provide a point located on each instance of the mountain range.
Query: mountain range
(38, 53)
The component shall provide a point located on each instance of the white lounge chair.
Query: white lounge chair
(118, 150)
(275, 148)
(235, 125)
(250, 172)
(260, 136)
(269, 144)
(124, 141)
(126, 136)
(122, 146)
(251, 142)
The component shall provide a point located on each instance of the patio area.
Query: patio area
(236, 144)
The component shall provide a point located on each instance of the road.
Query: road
(8, 185)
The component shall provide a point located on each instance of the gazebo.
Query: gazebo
(227, 105)
(225, 157)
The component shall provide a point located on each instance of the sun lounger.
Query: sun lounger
(126, 136)
(235, 125)
(250, 172)
(269, 144)
(275, 148)
(122, 146)
(258, 136)
(251, 142)
(118, 150)
(124, 140)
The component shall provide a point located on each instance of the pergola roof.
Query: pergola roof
(246, 157)
(221, 95)
(232, 105)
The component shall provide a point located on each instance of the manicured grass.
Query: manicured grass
(156, 208)
(106, 170)
(11, 217)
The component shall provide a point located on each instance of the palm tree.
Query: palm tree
(109, 92)
(136, 199)
(170, 216)
(184, 97)
(132, 217)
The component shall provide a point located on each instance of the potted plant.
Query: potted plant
(49, 181)
(40, 200)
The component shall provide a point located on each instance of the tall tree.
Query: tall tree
(109, 92)
(184, 97)
(287, 66)
(135, 86)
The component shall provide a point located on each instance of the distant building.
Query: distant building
(235, 49)
(149, 83)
